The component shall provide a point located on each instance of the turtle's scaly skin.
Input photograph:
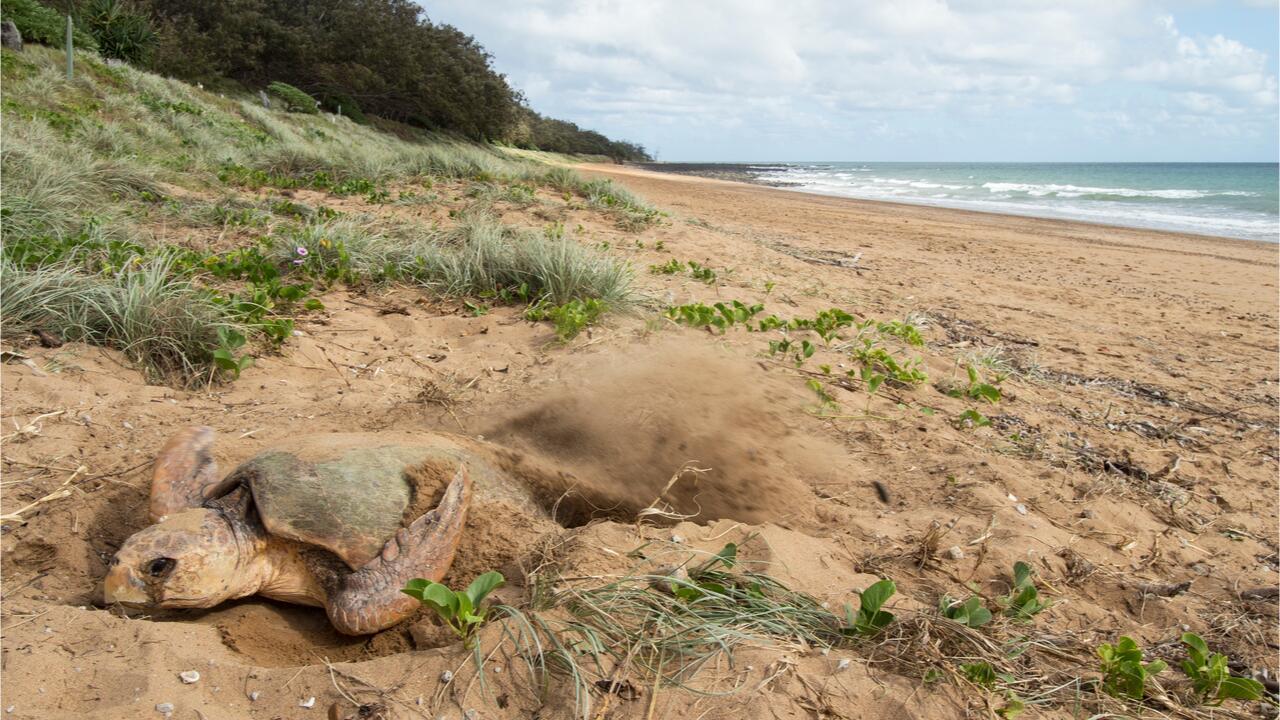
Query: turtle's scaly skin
(369, 599)
(277, 529)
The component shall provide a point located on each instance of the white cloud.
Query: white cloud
(1228, 69)
(834, 65)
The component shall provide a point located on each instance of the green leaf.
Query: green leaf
(1012, 709)
(442, 599)
(292, 293)
(417, 585)
(874, 383)
(1240, 689)
(1196, 643)
(979, 673)
(1021, 574)
(874, 597)
(687, 593)
(871, 619)
(313, 304)
(230, 339)
(464, 607)
(877, 595)
(978, 617)
(483, 585)
(713, 588)
(728, 556)
(990, 393)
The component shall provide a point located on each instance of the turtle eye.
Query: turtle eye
(161, 567)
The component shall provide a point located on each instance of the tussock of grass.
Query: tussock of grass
(487, 256)
(665, 627)
(52, 188)
(478, 257)
(672, 637)
(629, 211)
(158, 320)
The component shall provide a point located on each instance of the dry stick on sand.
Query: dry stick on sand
(63, 491)
(655, 510)
(336, 369)
(32, 428)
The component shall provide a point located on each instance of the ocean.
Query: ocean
(1239, 200)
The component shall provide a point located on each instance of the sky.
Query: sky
(907, 80)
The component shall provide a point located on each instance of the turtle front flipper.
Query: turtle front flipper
(369, 599)
(185, 474)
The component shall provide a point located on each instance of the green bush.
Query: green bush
(121, 32)
(294, 99)
(42, 24)
(1123, 672)
(332, 101)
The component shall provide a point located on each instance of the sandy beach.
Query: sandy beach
(1131, 461)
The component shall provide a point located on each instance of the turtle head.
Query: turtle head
(191, 559)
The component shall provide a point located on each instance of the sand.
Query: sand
(1135, 446)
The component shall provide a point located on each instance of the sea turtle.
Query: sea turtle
(338, 521)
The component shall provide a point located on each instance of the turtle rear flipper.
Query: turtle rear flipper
(369, 599)
(185, 474)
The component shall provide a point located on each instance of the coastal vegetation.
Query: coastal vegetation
(91, 166)
(680, 622)
(362, 59)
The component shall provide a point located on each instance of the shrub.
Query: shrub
(480, 257)
(120, 32)
(294, 99)
(334, 101)
(42, 24)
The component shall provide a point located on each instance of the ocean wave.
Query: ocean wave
(1075, 191)
(1253, 226)
(1224, 210)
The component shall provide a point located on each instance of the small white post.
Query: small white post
(71, 52)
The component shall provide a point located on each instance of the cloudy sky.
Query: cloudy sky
(1016, 80)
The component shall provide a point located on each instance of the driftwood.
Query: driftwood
(1161, 589)
(1266, 593)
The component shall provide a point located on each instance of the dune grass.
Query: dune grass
(662, 628)
(90, 165)
(159, 321)
(478, 257)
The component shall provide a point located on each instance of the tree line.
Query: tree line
(378, 57)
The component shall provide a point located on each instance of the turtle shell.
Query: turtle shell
(349, 501)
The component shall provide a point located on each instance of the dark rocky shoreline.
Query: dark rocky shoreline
(737, 172)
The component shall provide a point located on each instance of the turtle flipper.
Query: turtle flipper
(369, 599)
(185, 474)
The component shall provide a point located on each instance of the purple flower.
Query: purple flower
(298, 261)
(302, 251)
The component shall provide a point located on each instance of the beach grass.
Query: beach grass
(90, 165)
